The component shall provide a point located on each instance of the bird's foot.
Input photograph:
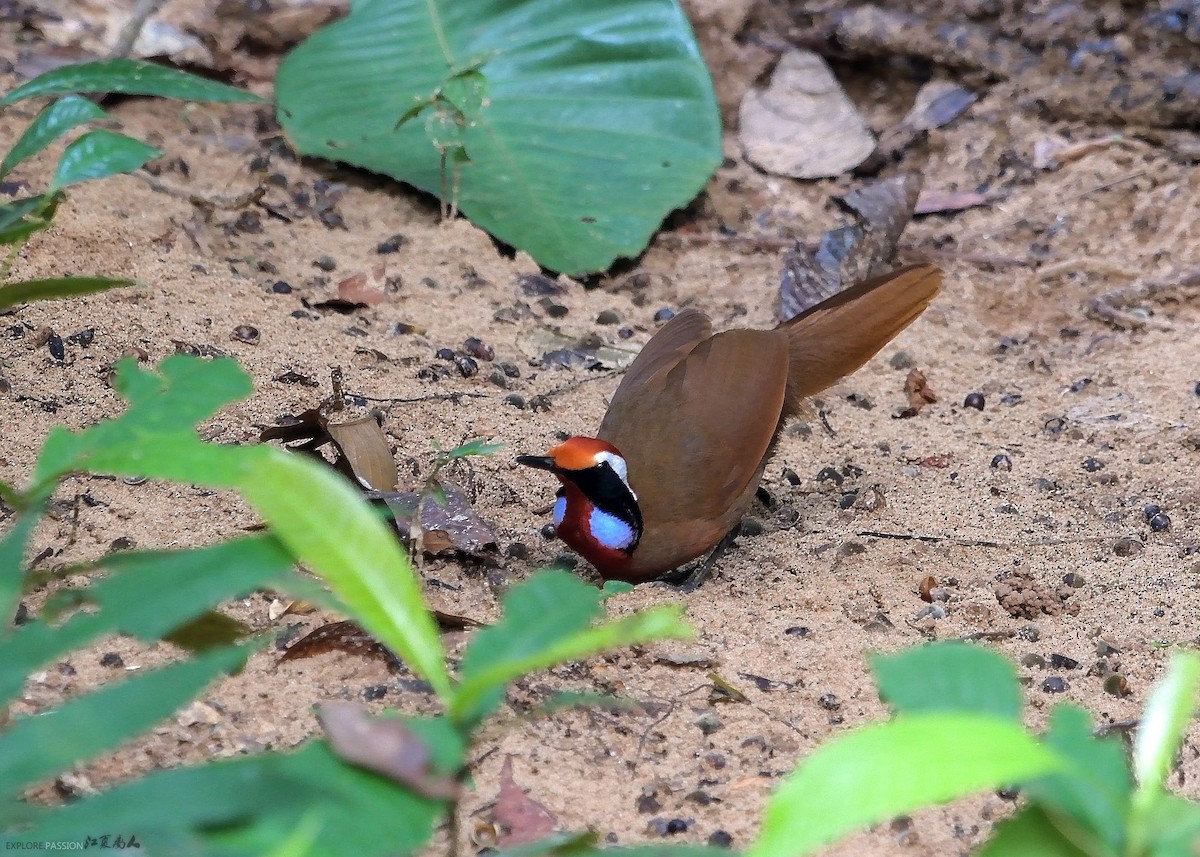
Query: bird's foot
(688, 578)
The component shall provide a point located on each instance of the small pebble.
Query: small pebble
(1033, 661)
(1092, 464)
(829, 702)
(83, 338)
(829, 474)
(517, 550)
(1062, 662)
(1054, 684)
(1196, 389)
(1117, 685)
(798, 631)
(54, 343)
(516, 400)
(720, 839)
(112, 659)
(391, 245)
(539, 403)
(1160, 523)
(555, 310)
(647, 803)
(709, 722)
(792, 477)
(974, 400)
(1073, 579)
(479, 350)
(1150, 510)
(901, 360)
(1128, 546)
(246, 333)
(467, 367)
(509, 369)
(608, 316)
(325, 263)
(664, 314)
(548, 532)
(565, 560)
(374, 692)
(498, 378)
(624, 332)
(933, 611)
(444, 354)
(787, 516)
(751, 527)
(677, 825)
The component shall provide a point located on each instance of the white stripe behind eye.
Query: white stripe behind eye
(617, 463)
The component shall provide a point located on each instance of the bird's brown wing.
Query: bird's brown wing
(694, 436)
(840, 334)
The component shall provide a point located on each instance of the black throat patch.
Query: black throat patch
(608, 493)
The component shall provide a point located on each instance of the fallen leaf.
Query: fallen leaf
(385, 746)
(803, 125)
(850, 254)
(344, 636)
(935, 202)
(918, 392)
(449, 523)
(364, 288)
(523, 820)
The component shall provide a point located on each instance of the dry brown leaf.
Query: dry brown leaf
(344, 636)
(803, 125)
(364, 288)
(523, 820)
(934, 202)
(385, 746)
(449, 524)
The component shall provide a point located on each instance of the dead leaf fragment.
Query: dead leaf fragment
(523, 820)
(803, 125)
(935, 202)
(448, 523)
(364, 288)
(344, 636)
(918, 392)
(385, 746)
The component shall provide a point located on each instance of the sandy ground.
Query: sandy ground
(1097, 422)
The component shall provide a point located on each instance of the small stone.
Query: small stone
(549, 533)
(565, 560)
(829, 702)
(1150, 510)
(517, 550)
(1073, 579)
(974, 400)
(1054, 684)
(647, 803)
(716, 761)
(1033, 661)
(709, 722)
(55, 345)
(933, 611)
(608, 316)
(516, 400)
(1092, 464)
(112, 659)
(677, 825)
(1128, 546)
(1117, 685)
(509, 369)
(374, 692)
(246, 333)
(829, 474)
(467, 367)
(1160, 523)
(325, 263)
(539, 403)
(720, 839)
(786, 517)
(1062, 662)
(664, 314)
(791, 476)
(624, 332)
(444, 354)
(391, 245)
(479, 350)
(901, 360)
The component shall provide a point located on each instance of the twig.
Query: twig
(432, 397)
(1110, 307)
(207, 203)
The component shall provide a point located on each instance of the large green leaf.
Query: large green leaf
(568, 128)
(1030, 833)
(100, 154)
(546, 622)
(13, 294)
(56, 119)
(146, 594)
(128, 77)
(38, 746)
(1094, 793)
(247, 806)
(948, 677)
(893, 768)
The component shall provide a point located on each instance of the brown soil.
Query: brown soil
(1096, 421)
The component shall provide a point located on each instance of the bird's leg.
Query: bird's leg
(688, 578)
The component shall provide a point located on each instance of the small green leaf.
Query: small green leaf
(13, 548)
(1174, 827)
(15, 294)
(22, 217)
(330, 528)
(99, 154)
(56, 119)
(37, 746)
(546, 622)
(1168, 712)
(247, 806)
(893, 768)
(948, 677)
(473, 447)
(1094, 792)
(127, 77)
(1030, 833)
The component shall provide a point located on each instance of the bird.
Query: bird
(680, 452)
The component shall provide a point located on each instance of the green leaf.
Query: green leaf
(567, 128)
(247, 806)
(41, 745)
(325, 522)
(1029, 833)
(14, 294)
(127, 77)
(948, 677)
(22, 217)
(1168, 712)
(473, 447)
(1094, 792)
(1174, 827)
(146, 594)
(546, 622)
(56, 119)
(893, 768)
(13, 548)
(99, 154)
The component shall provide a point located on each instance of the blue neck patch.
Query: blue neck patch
(560, 509)
(608, 530)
